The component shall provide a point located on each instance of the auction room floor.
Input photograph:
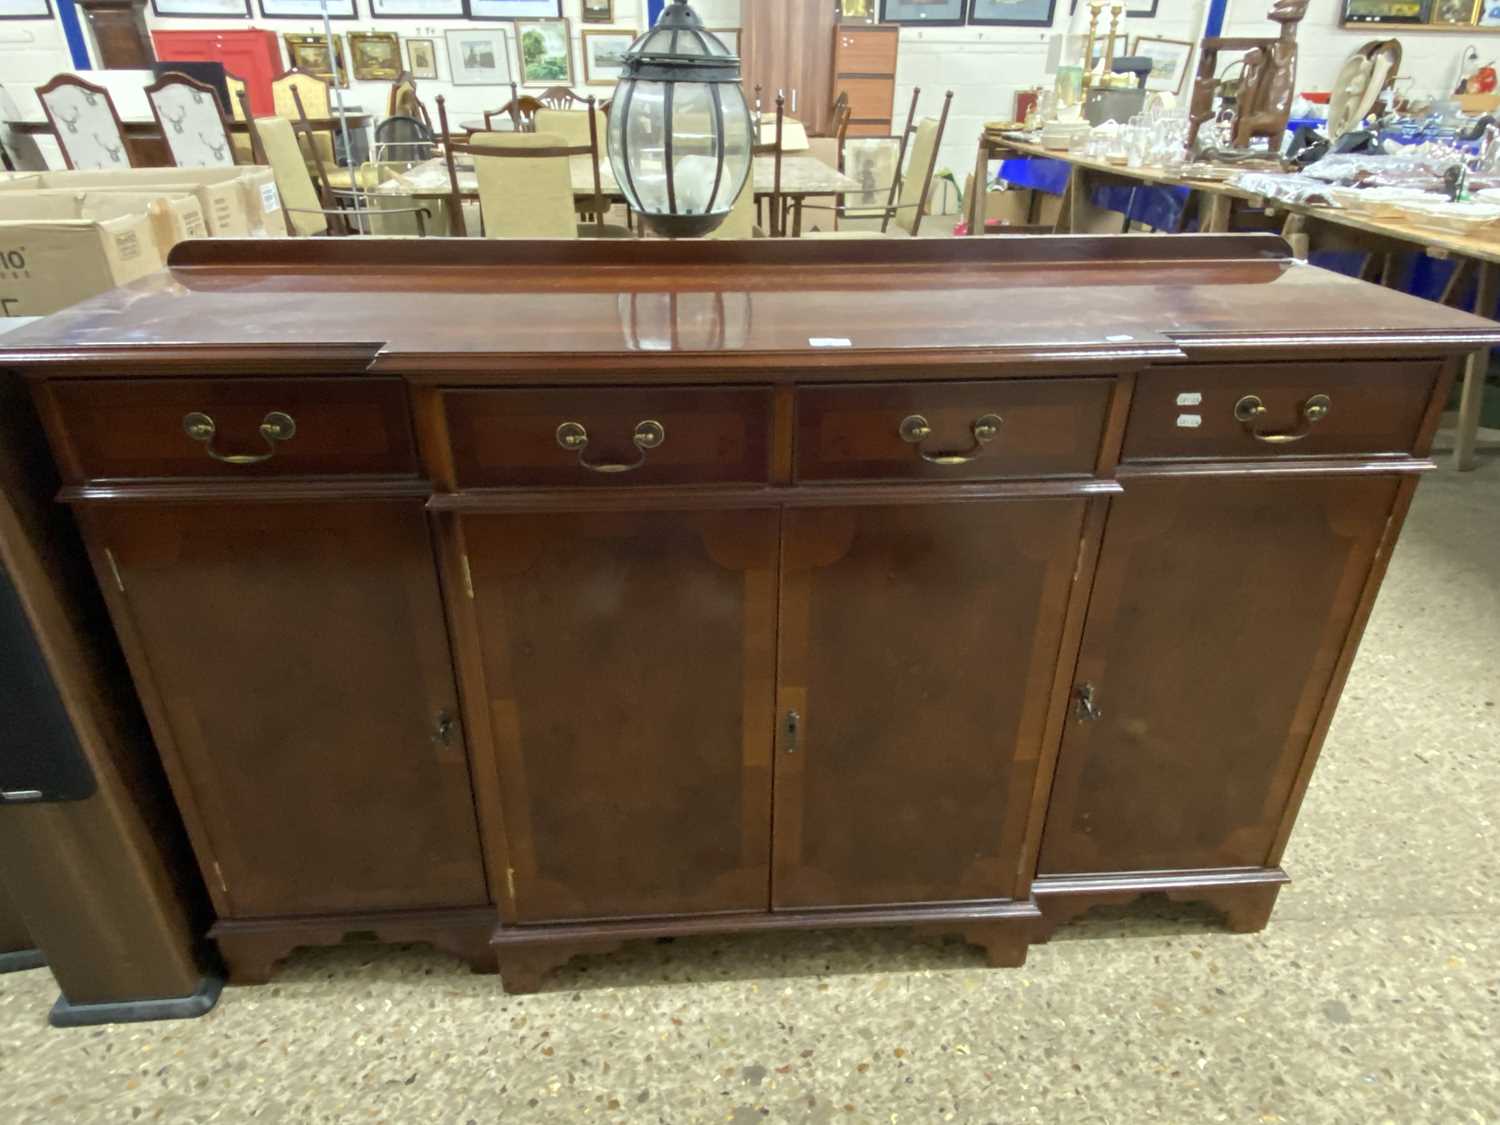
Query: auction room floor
(1373, 996)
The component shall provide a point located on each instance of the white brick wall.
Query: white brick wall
(983, 66)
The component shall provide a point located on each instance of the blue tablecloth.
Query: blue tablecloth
(1161, 208)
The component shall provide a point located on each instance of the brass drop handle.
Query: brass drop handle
(575, 439)
(914, 430)
(442, 732)
(1085, 710)
(275, 427)
(1250, 410)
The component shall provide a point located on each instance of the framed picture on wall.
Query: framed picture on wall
(546, 52)
(308, 9)
(1455, 13)
(203, 9)
(416, 9)
(479, 56)
(604, 55)
(421, 58)
(598, 11)
(1144, 12)
(1012, 13)
(514, 9)
(935, 12)
(1169, 61)
(310, 53)
(1489, 13)
(375, 55)
(857, 11)
(25, 9)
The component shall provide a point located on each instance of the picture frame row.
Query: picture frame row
(985, 13)
(478, 55)
(482, 10)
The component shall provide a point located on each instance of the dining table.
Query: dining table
(803, 177)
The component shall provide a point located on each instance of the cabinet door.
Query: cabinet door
(628, 665)
(918, 650)
(295, 661)
(1218, 614)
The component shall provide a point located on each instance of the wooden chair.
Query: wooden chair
(907, 199)
(526, 184)
(317, 150)
(521, 109)
(239, 139)
(274, 141)
(191, 122)
(404, 102)
(236, 86)
(740, 223)
(777, 226)
(84, 120)
(560, 97)
(830, 149)
(298, 85)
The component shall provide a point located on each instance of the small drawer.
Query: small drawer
(603, 436)
(951, 431)
(1278, 410)
(237, 428)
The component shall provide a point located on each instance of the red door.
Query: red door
(251, 55)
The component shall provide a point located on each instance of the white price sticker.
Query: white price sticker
(1189, 421)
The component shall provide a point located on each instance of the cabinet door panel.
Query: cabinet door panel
(1218, 614)
(298, 659)
(628, 661)
(918, 649)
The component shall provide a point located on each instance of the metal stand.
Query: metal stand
(200, 1003)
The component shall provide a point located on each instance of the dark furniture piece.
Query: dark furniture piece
(864, 74)
(93, 856)
(17, 950)
(620, 591)
(210, 74)
(120, 33)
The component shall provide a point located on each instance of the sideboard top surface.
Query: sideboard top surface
(457, 306)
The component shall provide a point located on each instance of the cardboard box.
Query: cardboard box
(49, 264)
(237, 201)
(175, 215)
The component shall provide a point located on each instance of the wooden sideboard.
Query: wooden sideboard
(527, 598)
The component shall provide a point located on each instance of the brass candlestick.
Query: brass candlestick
(1095, 7)
(1115, 11)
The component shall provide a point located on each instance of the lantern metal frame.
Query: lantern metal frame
(714, 66)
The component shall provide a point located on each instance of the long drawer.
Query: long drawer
(1278, 410)
(155, 428)
(950, 431)
(609, 435)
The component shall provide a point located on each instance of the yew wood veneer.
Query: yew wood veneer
(526, 598)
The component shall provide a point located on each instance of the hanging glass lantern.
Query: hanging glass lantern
(679, 130)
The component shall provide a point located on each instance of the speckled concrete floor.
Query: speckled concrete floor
(1374, 995)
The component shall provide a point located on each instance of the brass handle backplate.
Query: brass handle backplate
(1085, 710)
(442, 731)
(275, 427)
(914, 430)
(573, 437)
(1250, 411)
